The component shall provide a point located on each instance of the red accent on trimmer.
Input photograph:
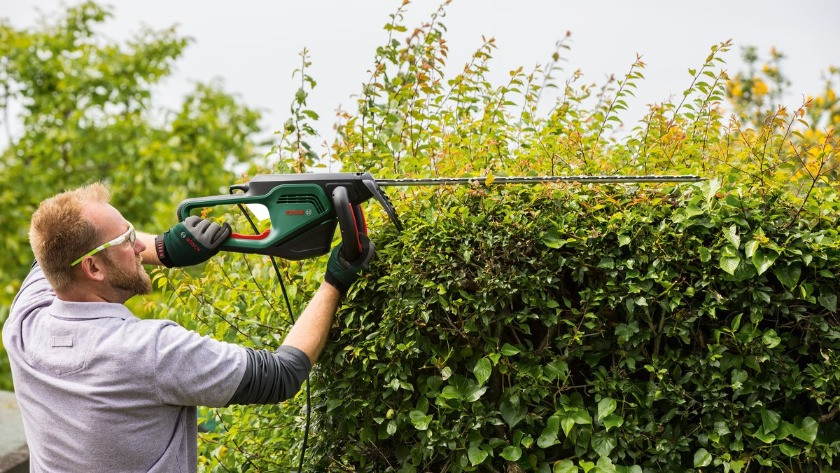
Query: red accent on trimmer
(364, 221)
(261, 236)
(356, 226)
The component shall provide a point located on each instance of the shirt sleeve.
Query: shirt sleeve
(272, 377)
(195, 370)
(35, 293)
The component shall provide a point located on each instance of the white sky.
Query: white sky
(253, 45)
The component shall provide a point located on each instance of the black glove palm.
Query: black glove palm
(341, 273)
(190, 242)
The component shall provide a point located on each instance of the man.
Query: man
(100, 389)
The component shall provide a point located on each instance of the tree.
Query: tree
(87, 116)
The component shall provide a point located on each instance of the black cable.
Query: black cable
(292, 317)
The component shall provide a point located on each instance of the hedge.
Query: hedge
(572, 328)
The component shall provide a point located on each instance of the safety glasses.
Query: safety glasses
(129, 235)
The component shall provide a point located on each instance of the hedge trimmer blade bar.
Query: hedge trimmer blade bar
(487, 180)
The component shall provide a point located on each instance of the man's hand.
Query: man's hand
(190, 242)
(341, 273)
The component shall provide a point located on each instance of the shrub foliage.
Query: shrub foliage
(568, 327)
(575, 328)
(561, 327)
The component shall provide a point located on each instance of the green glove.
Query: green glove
(341, 273)
(190, 242)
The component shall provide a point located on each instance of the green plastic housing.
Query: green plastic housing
(293, 209)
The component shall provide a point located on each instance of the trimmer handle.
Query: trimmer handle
(351, 222)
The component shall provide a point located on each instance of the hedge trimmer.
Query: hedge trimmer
(305, 208)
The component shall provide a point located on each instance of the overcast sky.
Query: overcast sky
(253, 45)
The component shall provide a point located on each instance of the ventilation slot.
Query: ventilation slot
(302, 199)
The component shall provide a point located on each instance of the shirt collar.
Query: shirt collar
(89, 310)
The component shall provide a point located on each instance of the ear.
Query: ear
(92, 269)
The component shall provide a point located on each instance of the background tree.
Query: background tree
(87, 115)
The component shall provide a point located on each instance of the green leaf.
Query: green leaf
(482, 370)
(769, 420)
(625, 332)
(603, 444)
(613, 420)
(586, 465)
(731, 234)
(450, 392)
(789, 450)
(764, 436)
(806, 431)
(512, 413)
(549, 433)
(711, 191)
(581, 416)
(605, 465)
(557, 369)
(689, 212)
(606, 406)
(736, 322)
(623, 240)
(509, 350)
(738, 377)
(567, 423)
(729, 263)
(606, 263)
(475, 392)
(476, 455)
(702, 458)
(552, 239)
(419, 420)
(829, 301)
(763, 260)
(511, 453)
(771, 339)
(732, 200)
(737, 465)
(565, 466)
(789, 275)
(749, 248)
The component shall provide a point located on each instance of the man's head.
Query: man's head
(71, 224)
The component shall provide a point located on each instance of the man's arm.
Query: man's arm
(271, 377)
(309, 333)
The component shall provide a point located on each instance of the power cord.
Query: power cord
(292, 317)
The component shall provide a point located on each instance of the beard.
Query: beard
(134, 282)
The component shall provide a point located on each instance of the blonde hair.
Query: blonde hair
(59, 232)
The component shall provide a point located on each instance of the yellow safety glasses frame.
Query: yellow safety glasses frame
(129, 235)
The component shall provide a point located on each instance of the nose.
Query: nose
(139, 246)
